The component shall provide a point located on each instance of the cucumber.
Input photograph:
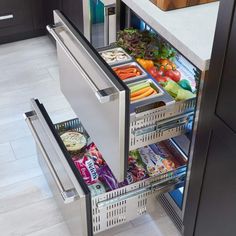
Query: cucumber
(137, 87)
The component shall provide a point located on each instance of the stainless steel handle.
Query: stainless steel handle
(69, 195)
(7, 17)
(105, 95)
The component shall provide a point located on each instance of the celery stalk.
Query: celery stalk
(137, 87)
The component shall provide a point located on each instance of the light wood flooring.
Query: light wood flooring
(29, 69)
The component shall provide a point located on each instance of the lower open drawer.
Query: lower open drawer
(85, 213)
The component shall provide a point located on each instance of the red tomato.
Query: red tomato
(154, 72)
(162, 79)
(173, 74)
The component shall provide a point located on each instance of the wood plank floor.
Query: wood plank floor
(29, 69)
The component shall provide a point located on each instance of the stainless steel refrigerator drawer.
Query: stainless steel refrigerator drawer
(102, 101)
(87, 215)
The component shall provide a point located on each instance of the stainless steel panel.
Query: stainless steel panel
(62, 182)
(97, 99)
(109, 23)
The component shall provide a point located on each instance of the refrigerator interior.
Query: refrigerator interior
(190, 72)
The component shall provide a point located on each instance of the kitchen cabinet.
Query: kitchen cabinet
(21, 19)
(74, 12)
(216, 209)
(117, 125)
(49, 6)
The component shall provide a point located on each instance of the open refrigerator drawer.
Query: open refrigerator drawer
(103, 101)
(82, 208)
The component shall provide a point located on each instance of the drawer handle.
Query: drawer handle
(69, 195)
(104, 95)
(7, 17)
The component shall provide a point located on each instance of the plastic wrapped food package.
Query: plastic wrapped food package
(115, 55)
(87, 169)
(94, 169)
(168, 160)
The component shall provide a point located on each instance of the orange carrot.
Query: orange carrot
(139, 92)
(146, 94)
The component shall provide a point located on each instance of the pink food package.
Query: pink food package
(94, 153)
(87, 169)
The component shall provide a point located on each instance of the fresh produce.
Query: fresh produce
(146, 64)
(184, 83)
(114, 55)
(149, 92)
(184, 95)
(141, 90)
(137, 87)
(172, 88)
(144, 44)
(173, 74)
(162, 79)
(154, 72)
(177, 92)
(166, 64)
(126, 72)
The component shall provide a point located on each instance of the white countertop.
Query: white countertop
(108, 2)
(190, 30)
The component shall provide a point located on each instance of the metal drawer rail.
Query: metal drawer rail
(159, 186)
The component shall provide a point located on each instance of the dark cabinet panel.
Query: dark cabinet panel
(49, 6)
(74, 12)
(17, 14)
(217, 211)
(226, 108)
(21, 19)
(38, 14)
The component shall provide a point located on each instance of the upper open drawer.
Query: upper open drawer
(94, 93)
(122, 105)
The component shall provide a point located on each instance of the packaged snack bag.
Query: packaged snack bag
(94, 153)
(136, 170)
(107, 177)
(152, 161)
(87, 169)
(97, 189)
(168, 159)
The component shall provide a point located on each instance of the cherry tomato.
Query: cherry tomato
(175, 75)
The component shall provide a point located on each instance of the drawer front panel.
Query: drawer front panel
(94, 93)
(70, 196)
